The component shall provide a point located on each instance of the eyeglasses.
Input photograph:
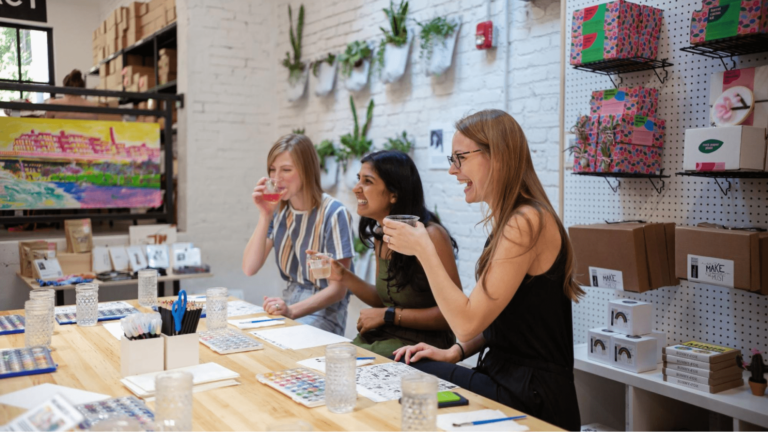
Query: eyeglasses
(456, 160)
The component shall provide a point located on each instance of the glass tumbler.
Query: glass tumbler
(340, 388)
(216, 308)
(148, 288)
(173, 401)
(272, 192)
(320, 265)
(419, 402)
(410, 220)
(38, 327)
(48, 295)
(87, 297)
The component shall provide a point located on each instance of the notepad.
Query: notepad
(144, 385)
(299, 337)
(446, 421)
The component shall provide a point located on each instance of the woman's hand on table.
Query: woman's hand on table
(276, 306)
(370, 319)
(405, 239)
(337, 269)
(414, 353)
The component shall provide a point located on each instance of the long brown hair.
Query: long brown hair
(307, 163)
(513, 183)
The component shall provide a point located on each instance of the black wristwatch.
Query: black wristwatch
(389, 315)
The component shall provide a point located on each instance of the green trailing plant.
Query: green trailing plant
(580, 150)
(295, 65)
(354, 56)
(316, 66)
(298, 131)
(324, 150)
(360, 247)
(432, 30)
(357, 144)
(400, 143)
(607, 142)
(757, 368)
(398, 33)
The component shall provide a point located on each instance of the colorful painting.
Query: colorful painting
(78, 164)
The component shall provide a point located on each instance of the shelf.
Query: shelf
(730, 47)
(624, 66)
(617, 176)
(725, 175)
(169, 88)
(145, 47)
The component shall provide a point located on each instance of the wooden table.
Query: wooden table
(89, 359)
(161, 280)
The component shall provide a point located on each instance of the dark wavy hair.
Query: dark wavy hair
(400, 177)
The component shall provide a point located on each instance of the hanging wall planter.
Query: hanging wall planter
(324, 72)
(298, 72)
(330, 175)
(351, 171)
(355, 63)
(358, 78)
(395, 61)
(297, 85)
(438, 40)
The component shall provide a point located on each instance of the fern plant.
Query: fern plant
(294, 65)
(357, 144)
(324, 150)
(398, 33)
(399, 143)
(430, 31)
(354, 56)
(316, 66)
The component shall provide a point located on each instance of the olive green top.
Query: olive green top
(389, 337)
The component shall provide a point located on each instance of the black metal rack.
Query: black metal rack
(164, 215)
(725, 175)
(618, 176)
(628, 65)
(730, 47)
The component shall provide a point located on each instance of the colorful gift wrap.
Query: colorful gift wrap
(633, 129)
(605, 32)
(650, 30)
(585, 156)
(629, 158)
(718, 19)
(625, 100)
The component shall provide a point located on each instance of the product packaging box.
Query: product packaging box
(585, 152)
(26, 254)
(79, 235)
(181, 350)
(75, 263)
(600, 348)
(630, 144)
(634, 353)
(605, 32)
(625, 101)
(650, 31)
(628, 158)
(718, 19)
(630, 317)
(730, 148)
(739, 97)
(703, 352)
(734, 375)
(633, 129)
(141, 356)
(724, 257)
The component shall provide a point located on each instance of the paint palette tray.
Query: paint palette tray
(301, 384)
(229, 341)
(11, 324)
(26, 361)
(127, 406)
(107, 312)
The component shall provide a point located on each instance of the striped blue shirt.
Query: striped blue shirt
(327, 228)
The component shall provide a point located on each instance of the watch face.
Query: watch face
(389, 316)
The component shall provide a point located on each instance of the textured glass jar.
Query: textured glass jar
(340, 388)
(48, 295)
(419, 402)
(173, 401)
(216, 308)
(87, 297)
(37, 323)
(148, 288)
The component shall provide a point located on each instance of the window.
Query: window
(26, 56)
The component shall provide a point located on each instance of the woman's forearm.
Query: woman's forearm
(362, 289)
(421, 319)
(256, 251)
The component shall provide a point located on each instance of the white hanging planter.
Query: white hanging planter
(326, 78)
(441, 57)
(358, 79)
(396, 60)
(297, 87)
(328, 179)
(353, 169)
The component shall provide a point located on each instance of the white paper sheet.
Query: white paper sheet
(446, 421)
(299, 337)
(318, 363)
(53, 414)
(240, 308)
(201, 374)
(245, 324)
(34, 396)
(114, 328)
(381, 382)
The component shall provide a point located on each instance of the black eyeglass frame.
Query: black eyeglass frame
(457, 161)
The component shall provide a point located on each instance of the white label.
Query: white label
(604, 278)
(48, 268)
(599, 347)
(624, 354)
(714, 271)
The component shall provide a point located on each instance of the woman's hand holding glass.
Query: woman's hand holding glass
(260, 193)
(337, 269)
(406, 239)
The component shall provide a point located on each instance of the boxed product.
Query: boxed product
(675, 361)
(131, 74)
(79, 235)
(605, 32)
(704, 387)
(739, 97)
(718, 19)
(724, 257)
(585, 152)
(625, 100)
(634, 353)
(728, 148)
(628, 158)
(627, 256)
(632, 147)
(600, 348)
(733, 375)
(26, 254)
(650, 30)
(632, 129)
(722, 369)
(631, 317)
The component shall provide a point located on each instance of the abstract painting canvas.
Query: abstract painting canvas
(78, 164)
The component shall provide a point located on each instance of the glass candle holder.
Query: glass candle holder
(340, 387)
(37, 328)
(87, 298)
(148, 288)
(320, 265)
(419, 402)
(173, 401)
(216, 308)
(410, 220)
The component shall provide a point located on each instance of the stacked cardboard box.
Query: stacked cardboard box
(704, 367)
(166, 65)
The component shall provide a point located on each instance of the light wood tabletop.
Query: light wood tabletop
(89, 358)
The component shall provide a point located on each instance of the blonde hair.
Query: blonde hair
(305, 159)
(513, 184)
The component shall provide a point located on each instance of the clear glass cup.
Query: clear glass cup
(295, 425)
(340, 387)
(87, 298)
(173, 401)
(216, 308)
(410, 220)
(272, 192)
(419, 402)
(148, 288)
(320, 265)
(37, 323)
(48, 295)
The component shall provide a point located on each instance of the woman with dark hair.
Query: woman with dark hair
(520, 308)
(403, 310)
(74, 79)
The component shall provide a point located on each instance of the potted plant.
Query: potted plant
(438, 39)
(297, 70)
(355, 64)
(324, 71)
(392, 55)
(329, 164)
(399, 143)
(757, 381)
(355, 145)
(580, 151)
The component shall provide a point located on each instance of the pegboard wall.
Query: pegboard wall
(722, 316)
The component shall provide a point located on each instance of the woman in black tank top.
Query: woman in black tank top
(519, 314)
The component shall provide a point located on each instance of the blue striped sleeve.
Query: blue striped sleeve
(338, 232)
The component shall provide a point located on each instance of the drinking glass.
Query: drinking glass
(48, 295)
(216, 308)
(173, 401)
(410, 220)
(87, 297)
(340, 387)
(148, 288)
(273, 191)
(38, 327)
(419, 402)
(320, 265)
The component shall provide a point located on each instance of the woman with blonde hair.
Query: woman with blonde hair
(520, 309)
(303, 218)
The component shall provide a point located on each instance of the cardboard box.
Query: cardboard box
(723, 257)
(764, 263)
(115, 82)
(141, 356)
(634, 353)
(146, 82)
(631, 317)
(131, 74)
(728, 87)
(600, 348)
(732, 148)
(75, 263)
(605, 32)
(26, 256)
(181, 350)
(719, 19)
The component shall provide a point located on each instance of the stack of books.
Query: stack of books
(704, 367)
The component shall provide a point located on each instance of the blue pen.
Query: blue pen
(366, 358)
(261, 321)
(482, 422)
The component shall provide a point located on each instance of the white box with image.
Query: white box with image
(633, 353)
(725, 149)
(632, 317)
(599, 342)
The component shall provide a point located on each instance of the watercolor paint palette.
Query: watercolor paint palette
(229, 341)
(107, 312)
(11, 324)
(301, 384)
(128, 406)
(26, 361)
